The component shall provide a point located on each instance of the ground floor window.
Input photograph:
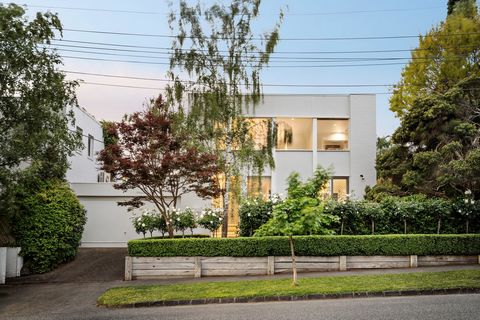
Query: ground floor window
(259, 187)
(337, 188)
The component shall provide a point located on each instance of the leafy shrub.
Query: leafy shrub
(309, 246)
(184, 220)
(50, 226)
(254, 212)
(147, 221)
(211, 219)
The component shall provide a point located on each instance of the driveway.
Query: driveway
(90, 265)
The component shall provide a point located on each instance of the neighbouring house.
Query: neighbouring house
(334, 131)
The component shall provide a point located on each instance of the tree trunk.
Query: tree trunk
(341, 228)
(405, 226)
(467, 225)
(294, 265)
(183, 233)
(439, 223)
(170, 229)
(373, 226)
(226, 200)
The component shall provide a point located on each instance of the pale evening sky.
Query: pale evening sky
(304, 19)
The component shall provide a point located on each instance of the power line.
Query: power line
(282, 39)
(276, 52)
(287, 14)
(265, 85)
(276, 59)
(161, 89)
(269, 66)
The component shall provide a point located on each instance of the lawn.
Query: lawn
(283, 287)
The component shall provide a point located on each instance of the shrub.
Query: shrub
(184, 220)
(147, 221)
(211, 219)
(50, 226)
(309, 246)
(254, 212)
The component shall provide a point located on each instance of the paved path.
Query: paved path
(77, 300)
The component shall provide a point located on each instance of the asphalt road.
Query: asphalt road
(459, 307)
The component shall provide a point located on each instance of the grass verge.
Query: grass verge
(282, 287)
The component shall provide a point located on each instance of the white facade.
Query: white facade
(83, 164)
(353, 159)
(321, 119)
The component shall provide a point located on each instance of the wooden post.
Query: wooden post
(270, 265)
(197, 271)
(413, 261)
(128, 268)
(342, 263)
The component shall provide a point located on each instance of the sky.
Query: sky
(303, 19)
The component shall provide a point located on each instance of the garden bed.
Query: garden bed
(161, 258)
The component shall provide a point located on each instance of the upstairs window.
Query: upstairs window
(294, 133)
(90, 145)
(332, 134)
(258, 130)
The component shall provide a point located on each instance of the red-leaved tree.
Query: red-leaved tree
(151, 152)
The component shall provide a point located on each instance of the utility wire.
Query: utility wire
(284, 60)
(161, 89)
(282, 39)
(276, 52)
(265, 85)
(287, 14)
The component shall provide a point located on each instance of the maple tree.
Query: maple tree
(154, 153)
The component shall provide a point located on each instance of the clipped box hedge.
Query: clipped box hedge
(309, 246)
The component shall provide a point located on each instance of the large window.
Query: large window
(258, 129)
(337, 188)
(259, 187)
(294, 134)
(332, 134)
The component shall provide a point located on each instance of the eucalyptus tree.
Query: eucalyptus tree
(219, 51)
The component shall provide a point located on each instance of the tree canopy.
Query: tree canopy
(436, 149)
(34, 96)
(216, 47)
(151, 151)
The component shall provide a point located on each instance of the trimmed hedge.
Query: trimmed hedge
(309, 246)
(177, 236)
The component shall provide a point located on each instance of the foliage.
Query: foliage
(34, 94)
(302, 211)
(147, 221)
(254, 212)
(309, 246)
(108, 130)
(435, 151)
(50, 226)
(155, 154)
(215, 46)
(184, 220)
(211, 219)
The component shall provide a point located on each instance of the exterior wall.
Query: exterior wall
(84, 168)
(357, 163)
(108, 224)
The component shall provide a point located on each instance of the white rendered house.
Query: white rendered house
(334, 131)
(84, 167)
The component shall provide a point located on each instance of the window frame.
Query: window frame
(90, 146)
(349, 135)
(310, 149)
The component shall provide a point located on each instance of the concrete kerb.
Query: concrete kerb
(328, 296)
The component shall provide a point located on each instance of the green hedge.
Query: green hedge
(177, 236)
(309, 246)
